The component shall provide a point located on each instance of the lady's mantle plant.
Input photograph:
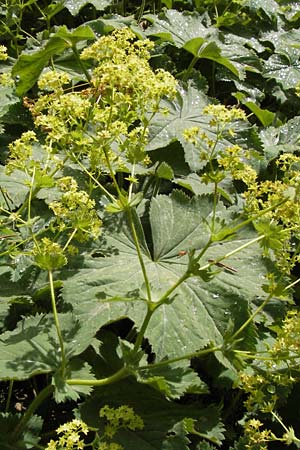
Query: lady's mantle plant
(192, 273)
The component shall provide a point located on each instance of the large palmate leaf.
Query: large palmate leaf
(181, 28)
(164, 421)
(184, 112)
(107, 289)
(33, 347)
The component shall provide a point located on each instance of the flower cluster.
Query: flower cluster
(280, 199)
(110, 446)
(71, 436)
(53, 81)
(256, 438)
(126, 91)
(21, 151)
(3, 54)
(75, 210)
(110, 118)
(287, 345)
(213, 145)
(117, 418)
(269, 383)
(233, 160)
(49, 255)
(222, 115)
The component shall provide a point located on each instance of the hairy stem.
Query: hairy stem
(167, 294)
(139, 253)
(111, 172)
(57, 325)
(119, 375)
(233, 252)
(10, 388)
(188, 356)
(250, 319)
(143, 328)
(101, 187)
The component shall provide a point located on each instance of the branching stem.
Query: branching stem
(119, 375)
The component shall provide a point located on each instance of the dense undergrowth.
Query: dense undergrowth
(149, 224)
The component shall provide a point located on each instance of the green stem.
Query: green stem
(165, 296)
(190, 68)
(250, 319)
(214, 207)
(233, 252)
(139, 253)
(38, 188)
(143, 328)
(102, 188)
(295, 439)
(181, 358)
(279, 420)
(30, 197)
(70, 239)
(141, 11)
(10, 388)
(131, 184)
(57, 325)
(256, 216)
(20, 428)
(112, 175)
(292, 284)
(119, 375)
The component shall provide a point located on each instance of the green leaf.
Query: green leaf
(7, 99)
(74, 6)
(209, 50)
(30, 65)
(180, 27)
(285, 69)
(187, 30)
(200, 311)
(283, 139)
(207, 428)
(165, 171)
(193, 183)
(28, 439)
(265, 116)
(268, 7)
(173, 380)
(32, 347)
(77, 369)
(164, 421)
(14, 188)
